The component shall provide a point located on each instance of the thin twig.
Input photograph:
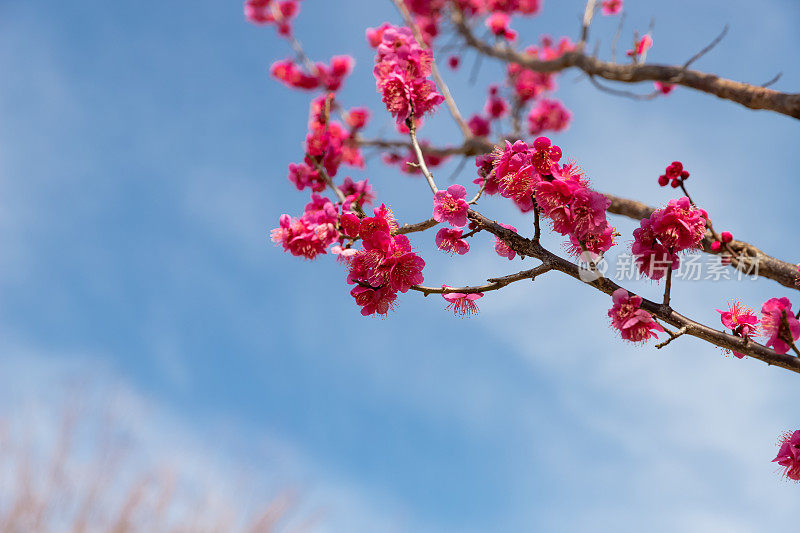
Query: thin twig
(708, 47)
(493, 285)
(412, 133)
(672, 337)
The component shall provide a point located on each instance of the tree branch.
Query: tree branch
(526, 247)
(493, 285)
(751, 96)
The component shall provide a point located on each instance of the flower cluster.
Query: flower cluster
(634, 324)
(674, 173)
(272, 12)
(789, 455)
(385, 266)
(548, 115)
(329, 77)
(309, 235)
(725, 238)
(528, 174)
(659, 239)
(328, 144)
(402, 67)
(528, 84)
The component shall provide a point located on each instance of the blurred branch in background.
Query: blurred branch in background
(74, 469)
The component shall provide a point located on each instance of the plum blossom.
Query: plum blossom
(612, 7)
(449, 240)
(789, 455)
(779, 324)
(548, 115)
(657, 242)
(498, 24)
(462, 304)
(639, 51)
(401, 70)
(634, 324)
(663, 87)
(740, 320)
(502, 249)
(450, 206)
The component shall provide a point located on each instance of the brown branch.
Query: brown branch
(744, 256)
(493, 285)
(751, 96)
(530, 248)
(419, 226)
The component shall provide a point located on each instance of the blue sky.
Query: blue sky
(143, 150)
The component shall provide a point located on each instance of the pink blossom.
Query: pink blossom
(679, 226)
(789, 455)
(612, 7)
(462, 304)
(301, 238)
(373, 300)
(450, 206)
(498, 24)
(359, 192)
(453, 62)
(401, 69)
(479, 126)
(375, 35)
(553, 198)
(449, 240)
(596, 243)
(258, 11)
(545, 156)
(304, 176)
(634, 324)
(502, 248)
(496, 106)
(740, 320)
(641, 47)
(587, 214)
(357, 118)
(548, 115)
(664, 87)
(776, 315)
(652, 257)
(486, 175)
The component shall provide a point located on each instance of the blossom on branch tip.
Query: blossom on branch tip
(450, 206)
(779, 324)
(462, 304)
(612, 7)
(401, 69)
(789, 455)
(634, 324)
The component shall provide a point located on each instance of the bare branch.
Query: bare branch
(708, 47)
(750, 96)
(493, 285)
